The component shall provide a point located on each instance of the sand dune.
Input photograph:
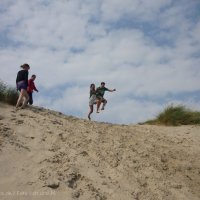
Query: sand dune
(47, 155)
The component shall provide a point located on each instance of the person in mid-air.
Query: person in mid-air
(31, 88)
(100, 96)
(92, 99)
(22, 84)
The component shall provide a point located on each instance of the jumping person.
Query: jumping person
(92, 99)
(31, 88)
(100, 96)
(22, 84)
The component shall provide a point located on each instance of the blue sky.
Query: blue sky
(148, 50)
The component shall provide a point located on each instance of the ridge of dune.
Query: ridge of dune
(47, 155)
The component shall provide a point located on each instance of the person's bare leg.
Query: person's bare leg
(104, 104)
(26, 98)
(20, 99)
(91, 111)
(98, 105)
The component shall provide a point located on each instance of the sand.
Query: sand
(47, 155)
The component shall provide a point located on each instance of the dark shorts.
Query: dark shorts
(21, 85)
(101, 99)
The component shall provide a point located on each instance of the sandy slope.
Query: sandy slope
(46, 155)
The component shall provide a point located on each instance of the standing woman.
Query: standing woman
(92, 99)
(22, 84)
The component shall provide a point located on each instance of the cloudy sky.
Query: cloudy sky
(148, 50)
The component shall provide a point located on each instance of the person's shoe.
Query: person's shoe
(97, 111)
(89, 117)
(22, 107)
(102, 108)
(17, 108)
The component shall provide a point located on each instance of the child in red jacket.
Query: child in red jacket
(31, 88)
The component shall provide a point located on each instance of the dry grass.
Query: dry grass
(8, 94)
(175, 116)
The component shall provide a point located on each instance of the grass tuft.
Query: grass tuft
(8, 94)
(175, 116)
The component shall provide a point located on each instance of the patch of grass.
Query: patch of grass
(2, 89)
(175, 116)
(8, 94)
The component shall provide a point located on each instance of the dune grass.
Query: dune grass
(8, 94)
(175, 116)
(172, 115)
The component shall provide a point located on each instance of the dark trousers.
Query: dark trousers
(30, 101)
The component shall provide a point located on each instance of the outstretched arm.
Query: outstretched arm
(111, 90)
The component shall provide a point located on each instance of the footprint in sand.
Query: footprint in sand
(18, 122)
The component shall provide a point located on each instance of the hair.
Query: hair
(92, 85)
(33, 76)
(25, 65)
(102, 83)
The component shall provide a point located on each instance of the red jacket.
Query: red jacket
(31, 86)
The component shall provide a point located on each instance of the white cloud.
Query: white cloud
(114, 10)
(146, 50)
(196, 33)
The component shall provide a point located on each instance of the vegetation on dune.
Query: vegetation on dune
(8, 94)
(175, 116)
(172, 115)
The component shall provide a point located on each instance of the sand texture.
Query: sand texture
(47, 155)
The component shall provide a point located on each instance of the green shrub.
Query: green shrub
(2, 90)
(178, 115)
(11, 96)
(8, 94)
